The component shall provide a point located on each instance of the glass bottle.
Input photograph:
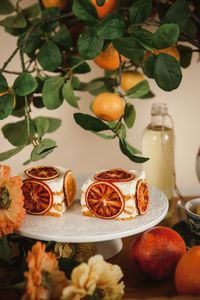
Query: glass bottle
(158, 145)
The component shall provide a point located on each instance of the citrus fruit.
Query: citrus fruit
(173, 51)
(114, 175)
(187, 274)
(108, 106)
(142, 196)
(55, 3)
(157, 251)
(69, 186)
(130, 78)
(42, 172)
(109, 59)
(106, 8)
(104, 200)
(38, 197)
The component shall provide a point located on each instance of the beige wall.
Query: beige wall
(84, 152)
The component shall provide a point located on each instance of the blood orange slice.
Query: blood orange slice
(42, 172)
(114, 175)
(38, 197)
(69, 187)
(142, 196)
(104, 200)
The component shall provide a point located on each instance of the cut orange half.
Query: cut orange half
(69, 187)
(142, 196)
(114, 175)
(42, 172)
(38, 197)
(104, 200)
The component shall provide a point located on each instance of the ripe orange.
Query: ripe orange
(187, 274)
(108, 107)
(109, 59)
(106, 8)
(55, 3)
(157, 251)
(130, 78)
(173, 51)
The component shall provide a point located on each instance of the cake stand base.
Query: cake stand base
(109, 249)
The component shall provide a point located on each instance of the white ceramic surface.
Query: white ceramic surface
(72, 226)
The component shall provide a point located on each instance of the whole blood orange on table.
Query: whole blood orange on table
(42, 172)
(187, 274)
(106, 8)
(157, 252)
(38, 197)
(104, 200)
(114, 175)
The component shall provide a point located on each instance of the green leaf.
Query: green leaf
(143, 37)
(89, 44)
(129, 115)
(149, 65)
(42, 125)
(85, 11)
(50, 12)
(68, 94)
(32, 11)
(100, 85)
(81, 68)
(130, 48)
(8, 154)
(90, 123)
(167, 72)
(18, 21)
(139, 90)
(75, 82)
(52, 92)
(3, 84)
(16, 133)
(111, 27)
(63, 38)
(33, 42)
(53, 123)
(185, 55)
(50, 56)
(6, 105)
(130, 152)
(6, 7)
(165, 36)
(38, 102)
(45, 145)
(105, 136)
(122, 131)
(190, 29)
(24, 84)
(140, 11)
(178, 13)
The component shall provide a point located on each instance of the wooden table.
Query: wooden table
(137, 285)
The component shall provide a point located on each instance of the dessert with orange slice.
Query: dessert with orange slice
(48, 190)
(115, 194)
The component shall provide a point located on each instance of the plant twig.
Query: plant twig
(9, 59)
(11, 72)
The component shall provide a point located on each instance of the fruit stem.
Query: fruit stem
(9, 59)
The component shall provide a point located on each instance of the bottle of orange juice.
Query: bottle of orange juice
(158, 145)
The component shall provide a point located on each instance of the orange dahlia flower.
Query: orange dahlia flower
(44, 280)
(12, 210)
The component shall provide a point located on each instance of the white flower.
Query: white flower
(96, 275)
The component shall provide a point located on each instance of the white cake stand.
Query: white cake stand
(73, 227)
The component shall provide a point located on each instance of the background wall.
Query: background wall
(84, 152)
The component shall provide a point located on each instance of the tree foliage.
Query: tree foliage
(63, 42)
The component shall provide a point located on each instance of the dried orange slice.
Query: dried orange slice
(42, 172)
(38, 197)
(142, 196)
(114, 175)
(69, 187)
(104, 200)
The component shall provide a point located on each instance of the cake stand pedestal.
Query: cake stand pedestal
(73, 227)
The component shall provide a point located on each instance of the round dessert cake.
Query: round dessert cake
(48, 190)
(115, 194)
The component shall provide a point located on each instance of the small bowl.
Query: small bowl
(192, 217)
